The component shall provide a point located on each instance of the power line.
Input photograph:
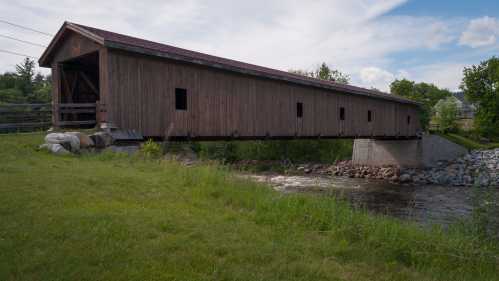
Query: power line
(25, 27)
(23, 41)
(17, 54)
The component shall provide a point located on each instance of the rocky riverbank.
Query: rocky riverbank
(480, 167)
(476, 168)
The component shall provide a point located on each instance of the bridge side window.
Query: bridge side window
(180, 99)
(299, 109)
(408, 119)
(342, 113)
(369, 116)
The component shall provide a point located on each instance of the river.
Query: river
(425, 204)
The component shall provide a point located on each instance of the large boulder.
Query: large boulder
(85, 141)
(102, 139)
(404, 178)
(68, 141)
(55, 148)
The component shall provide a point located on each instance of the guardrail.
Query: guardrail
(25, 117)
(75, 110)
(32, 117)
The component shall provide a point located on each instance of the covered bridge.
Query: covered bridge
(160, 90)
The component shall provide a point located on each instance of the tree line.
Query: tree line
(25, 85)
(480, 85)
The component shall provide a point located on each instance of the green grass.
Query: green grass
(111, 217)
(296, 151)
(468, 142)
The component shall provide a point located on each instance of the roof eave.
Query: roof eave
(44, 60)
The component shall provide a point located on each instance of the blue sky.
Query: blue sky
(374, 41)
(448, 8)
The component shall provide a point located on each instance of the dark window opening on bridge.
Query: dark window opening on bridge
(342, 113)
(369, 116)
(299, 109)
(408, 119)
(180, 99)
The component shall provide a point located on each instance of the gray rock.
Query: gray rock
(55, 148)
(102, 139)
(85, 141)
(68, 141)
(405, 178)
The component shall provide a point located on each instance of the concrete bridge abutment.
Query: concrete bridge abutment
(420, 153)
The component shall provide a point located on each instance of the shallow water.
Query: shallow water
(426, 204)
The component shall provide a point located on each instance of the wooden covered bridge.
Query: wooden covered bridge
(158, 90)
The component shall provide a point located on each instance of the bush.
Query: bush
(480, 88)
(151, 150)
(446, 115)
(324, 151)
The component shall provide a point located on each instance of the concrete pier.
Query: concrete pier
(424, 152)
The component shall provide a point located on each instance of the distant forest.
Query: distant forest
(24, 85)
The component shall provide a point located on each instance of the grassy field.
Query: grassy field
(468, 142)
(111, 217)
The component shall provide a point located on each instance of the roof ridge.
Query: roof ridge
(235, 65)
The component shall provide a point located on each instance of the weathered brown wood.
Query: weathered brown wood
(77, 111)
(137, 91)
(15, 117)
(76, 123)
(76, 105)
(89, 83)
(221, 103)
(24, 125)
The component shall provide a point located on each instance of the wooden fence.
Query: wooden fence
(32, 117)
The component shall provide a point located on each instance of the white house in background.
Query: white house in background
(465, 110)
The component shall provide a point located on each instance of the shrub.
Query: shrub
(326, 151)
(446, 115)
(151, 150)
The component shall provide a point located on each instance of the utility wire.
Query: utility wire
(17, 54)
(24, 27)
(23, 41)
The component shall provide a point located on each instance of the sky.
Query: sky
(374, 41)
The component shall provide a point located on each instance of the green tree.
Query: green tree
(25, 72)
(446, 114)
(426, 94)
(12, 95)
(301, 72)
(324, 72)
(481, 87)
(24, 86)
(8, 80)
(42, 89)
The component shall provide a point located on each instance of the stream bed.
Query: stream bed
(425, 204)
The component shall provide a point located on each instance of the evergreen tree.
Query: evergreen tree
(25, 72)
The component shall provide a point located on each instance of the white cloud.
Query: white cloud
(356, 37)
(480, 32)
(446, 75)
(376, 77)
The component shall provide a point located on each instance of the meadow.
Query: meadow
(114, 217)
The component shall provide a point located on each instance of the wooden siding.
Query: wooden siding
(74, 45)
(225, 104)
(71, 46)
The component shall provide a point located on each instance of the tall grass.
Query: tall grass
(113, 217)
(296, 151)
